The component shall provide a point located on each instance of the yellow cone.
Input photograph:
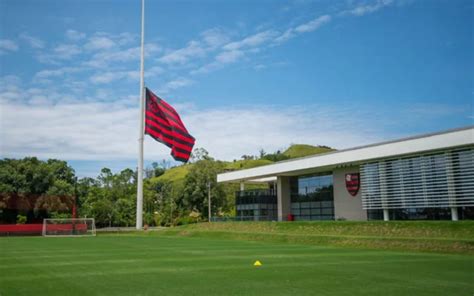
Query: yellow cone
(257, 263)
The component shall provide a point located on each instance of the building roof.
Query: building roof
(406, 146)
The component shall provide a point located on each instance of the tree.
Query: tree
(105, 177)
(196, 191)
(247, 157)
(110, 199)
(30, 182)
(199, 154)
(125, 212)
(262, 153)
(155, 170)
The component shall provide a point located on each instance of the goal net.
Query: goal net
(69, 227)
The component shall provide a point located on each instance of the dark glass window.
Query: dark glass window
(256, 204)
(312, 197)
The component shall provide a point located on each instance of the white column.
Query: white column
(283, 197)
(451, 186)
(383, 190)
(454, 214)
(385, 215)
(242, 186)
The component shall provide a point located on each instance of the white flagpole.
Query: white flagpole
(141, 125)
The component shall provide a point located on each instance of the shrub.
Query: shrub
(20, 219)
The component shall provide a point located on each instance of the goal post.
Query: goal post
(69, 227)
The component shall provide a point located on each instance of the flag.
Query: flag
(164, 125)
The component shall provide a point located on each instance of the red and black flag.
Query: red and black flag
(163, 124)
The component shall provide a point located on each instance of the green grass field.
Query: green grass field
(156, 264)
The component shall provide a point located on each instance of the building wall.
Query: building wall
(345, 205)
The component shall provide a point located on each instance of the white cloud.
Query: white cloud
(134, 75)
(9, 89)
(288, 34)
(7, 45)
(99, 42)
(313, 24)
(252, 41)
(9, 81)
(56, 72)
(107, 77)
(103, 58)
(233, 51)
(53, 124)
(69, 131)
(368, 8)
(66, 51)
(221, 59)
(182, 55)
(307, 27)
(32, 41)
(209, 40)
(228, 134)
(214, 37)
(205, 68)
(74, 35)
(177, 83)
(153, 71)
(109, 130)
(227, 57)
(126, 38)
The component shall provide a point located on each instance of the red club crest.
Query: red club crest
(353, 183)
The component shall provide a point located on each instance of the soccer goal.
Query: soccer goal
(69, 227)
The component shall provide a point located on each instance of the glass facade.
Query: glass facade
(312, 197)
(256, 205)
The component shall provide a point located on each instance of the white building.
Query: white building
(424, 177)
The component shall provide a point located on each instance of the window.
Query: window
(312, 197)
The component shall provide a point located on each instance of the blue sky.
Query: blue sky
(244, 75)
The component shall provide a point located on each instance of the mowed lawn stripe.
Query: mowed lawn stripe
(274, 260)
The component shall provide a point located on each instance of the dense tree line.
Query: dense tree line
(39, 189)
(34, 188)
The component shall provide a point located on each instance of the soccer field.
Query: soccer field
(164, 265)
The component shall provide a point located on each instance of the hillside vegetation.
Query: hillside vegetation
(175, 174)
(246, 164)
(301, 150)
(178, 173)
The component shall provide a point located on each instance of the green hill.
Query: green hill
(246, 164)
(301, 150)
(174, 174)
(178, 173)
